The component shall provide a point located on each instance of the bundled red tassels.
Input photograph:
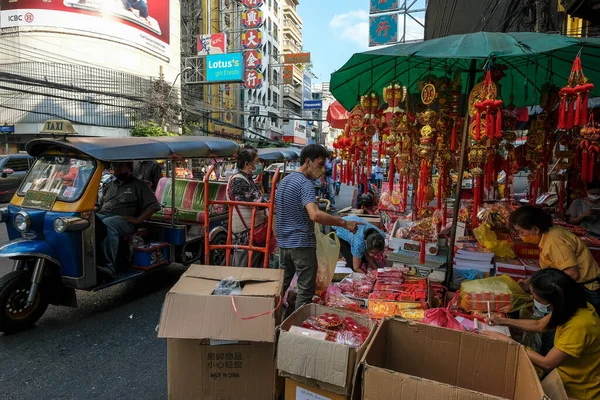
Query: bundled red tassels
(491, 106)
(391, 175)
(573, 110)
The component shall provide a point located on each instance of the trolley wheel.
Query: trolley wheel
(15, 314)
(218, 257)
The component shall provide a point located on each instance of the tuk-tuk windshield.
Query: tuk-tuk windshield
(66, 176)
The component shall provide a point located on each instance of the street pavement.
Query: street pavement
(105, 349)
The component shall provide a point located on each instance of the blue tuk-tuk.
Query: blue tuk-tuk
(52, 226)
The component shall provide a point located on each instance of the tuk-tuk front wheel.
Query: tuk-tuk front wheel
(15, 314)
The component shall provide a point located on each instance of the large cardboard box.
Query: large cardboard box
(327, 365)
(414, 361)
(213, 351)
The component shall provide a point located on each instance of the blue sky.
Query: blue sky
(333, 30)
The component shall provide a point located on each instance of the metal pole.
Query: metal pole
(461, 170)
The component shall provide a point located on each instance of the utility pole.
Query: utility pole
(541, 15)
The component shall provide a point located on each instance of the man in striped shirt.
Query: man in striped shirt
(297, 211)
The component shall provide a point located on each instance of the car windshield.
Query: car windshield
(66, 176)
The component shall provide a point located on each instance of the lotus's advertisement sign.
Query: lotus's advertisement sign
(225, 67)
(141, 23)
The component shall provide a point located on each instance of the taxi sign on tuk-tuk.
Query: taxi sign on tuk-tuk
(59, 127)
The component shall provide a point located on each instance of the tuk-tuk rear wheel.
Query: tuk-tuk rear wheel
(15, 315)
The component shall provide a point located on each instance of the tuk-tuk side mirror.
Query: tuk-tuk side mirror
(6, 172)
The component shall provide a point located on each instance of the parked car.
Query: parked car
(13, 169)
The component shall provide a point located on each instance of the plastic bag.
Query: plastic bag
(328, 252)
(498, 294)
(443, 317)
(487, 238)
(228, 287)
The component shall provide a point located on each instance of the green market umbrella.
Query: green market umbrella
(532, 59)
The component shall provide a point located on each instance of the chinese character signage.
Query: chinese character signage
(288, 74)
(224, 67)
(252, 39)
(212, 44)
(297, 58)
(253, 79)
(380, 6)
(252, 3)
(252, 18)
(383, 29)
(252, 59)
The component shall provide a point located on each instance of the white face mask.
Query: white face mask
(543, 308)
(594, 197)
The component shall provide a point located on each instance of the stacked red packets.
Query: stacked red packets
(394, 295)
(343, 331)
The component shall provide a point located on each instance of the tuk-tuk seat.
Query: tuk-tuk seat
(189, 200)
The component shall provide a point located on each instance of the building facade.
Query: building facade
(78, 60)
(294, 125)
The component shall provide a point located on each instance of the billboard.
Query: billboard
(306, 88)
(225, 67)
(296, 58)
(383, 29)
(135, 22)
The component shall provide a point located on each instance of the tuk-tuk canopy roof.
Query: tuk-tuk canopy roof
(138, 148)
(279, 154)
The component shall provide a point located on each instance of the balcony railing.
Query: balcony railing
(289, 25)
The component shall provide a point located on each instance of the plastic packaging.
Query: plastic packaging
(328, 251)
(498, 294)
(488, 239)
(228, 287)
(443, 316)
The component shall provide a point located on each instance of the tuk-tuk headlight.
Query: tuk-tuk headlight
(22, 221)
(68, 224)
(4, 214)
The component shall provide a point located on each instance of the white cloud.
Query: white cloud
(352, 26)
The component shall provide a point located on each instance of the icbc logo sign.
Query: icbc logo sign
(19, 18)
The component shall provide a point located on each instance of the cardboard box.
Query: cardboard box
(300, 391)
(420, 362)
(212, 353)
(327, 365)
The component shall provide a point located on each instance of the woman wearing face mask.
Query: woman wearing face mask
(360, 247)
(559, 249)
(243, 188)
(576, 350)
(586, 211)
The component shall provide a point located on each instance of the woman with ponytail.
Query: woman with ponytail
(359, 248)
(576, 351)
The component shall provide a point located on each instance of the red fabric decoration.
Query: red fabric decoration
(453, 137)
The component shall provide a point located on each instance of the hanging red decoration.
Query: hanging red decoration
(573, 110)
(492, 109)
(393, 94)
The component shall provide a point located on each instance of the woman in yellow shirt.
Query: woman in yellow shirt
(559, 249)
(576, 351)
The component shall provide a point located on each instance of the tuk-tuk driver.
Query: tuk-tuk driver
(126, 203)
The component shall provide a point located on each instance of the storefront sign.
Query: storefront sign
(224, 67)
(212, 44)
(6, 129)
(288, 74)
(252, 3)
(253, 79)
(252, 59)
(252, 18)
(383, 29)
(298, 58)
(380, 6)
(252, 39)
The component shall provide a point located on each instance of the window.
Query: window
(17, 164)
